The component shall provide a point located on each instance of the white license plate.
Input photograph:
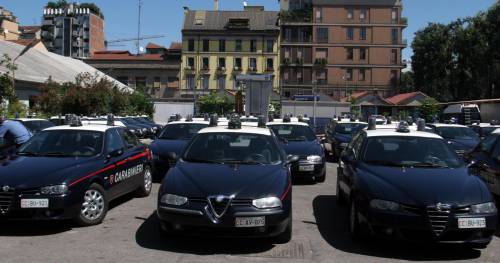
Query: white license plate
(306, 168)
(344, 144)
(250, 221)
(471, 223)
(34, 203)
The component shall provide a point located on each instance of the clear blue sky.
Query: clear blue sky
(165, 16)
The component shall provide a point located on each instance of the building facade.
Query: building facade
(157, 71)
(219, 45)
(73, 31)
(9, 27)
(338, 47)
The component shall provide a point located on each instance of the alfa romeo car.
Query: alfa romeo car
(484, 129)
(461, 138)
(398, 189)
(339, 133)
(297, 138)
(172, 139)
(72, 172)
(230, 181)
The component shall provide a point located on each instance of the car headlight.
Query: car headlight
(176, 200)
(132, 130)
(54, 190)
(315, 159)
(268, 202)
(486, 208)
(384, 205)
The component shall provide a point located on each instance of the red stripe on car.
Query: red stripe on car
(286, 192)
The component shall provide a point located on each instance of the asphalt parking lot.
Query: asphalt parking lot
(130, 234)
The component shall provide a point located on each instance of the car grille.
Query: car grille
(438, 219)
(234, 202)
(6, 200)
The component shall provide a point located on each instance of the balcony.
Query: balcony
(320, 62)
(304, 15)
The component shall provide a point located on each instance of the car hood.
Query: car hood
(243, 181)
(163, 147)
(423, 186)
(463, 144)
(302, 148)
(31, 172)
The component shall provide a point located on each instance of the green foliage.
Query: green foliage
(215, 103)
(407, 82)
(298, 15)
(6, 80)
(429, 109)
(460, 60)
(16, 107)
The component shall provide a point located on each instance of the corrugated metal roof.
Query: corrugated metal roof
(358, 2)
(217, 20)
(37, 66)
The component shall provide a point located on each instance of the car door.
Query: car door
(114, 149)
(488, 163)
(131, 170)
(349, 169)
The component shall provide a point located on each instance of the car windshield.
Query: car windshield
(408, 151)
(64, 143)
(131, 121)
(349, 128)
(293, 132)
(142, 120)
(181, 131)
(457, 133)
(233, 148)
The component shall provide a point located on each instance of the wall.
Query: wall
(163, 110)
(323, 109)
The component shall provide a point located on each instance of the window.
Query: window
(204, 81)
(350, 13)
(269, 64)
(286, 76)
(190, 62)
(362, 33)
(270, 46)
(205, 63)
(222, 45)
(362, 75)
(394, 35)
(322, 35)
(123, 80)
(288, 34)
(157, 83)
(222, 63)
(190, 82)
(113, 141)
(350, 33)
(237, 63)
(221, 82)
(206, 45)
(299, 53)
(287, 52)
(252, 63)
(318, 15)
(237, 45)
(394, 15)
(348, 74)
(140, 82)
(362, 14)
(362, 54)
(321, 53)
(394, 56)
(321, 77)
(350, 53)
(191, 45)
(129, 139)
(253, 45)
(300, 79)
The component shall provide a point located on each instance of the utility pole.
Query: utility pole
(138, 43)
(315, 87)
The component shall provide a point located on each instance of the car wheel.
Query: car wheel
(321, 179)
(94, 206)
(147, 183)
(354, 226)
(340, 194)
(286, 236)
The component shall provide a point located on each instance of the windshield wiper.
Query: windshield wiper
(28, 153)
(385, 163)
(428, 164)
(202, 161)
(250, 162)
(62, 154)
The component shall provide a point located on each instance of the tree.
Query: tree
(429, 109)
(6, 80)
(407, 82)
(215, 103)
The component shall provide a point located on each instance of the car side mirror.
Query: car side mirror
(172, 156)
(115, 153)
(292, 159)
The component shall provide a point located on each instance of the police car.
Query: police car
(339, 133)
(72, 172)
(172, 139)
(484, 129)
(297, 138)
(230, 181)
(462, 138)
(485, 159)
(398, 189)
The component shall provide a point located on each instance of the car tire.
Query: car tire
(94, 206)
(321, 179)
(340, 194)
(146, 183)
(286, 236)
(354, 225)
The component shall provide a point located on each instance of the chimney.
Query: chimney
(216, 5)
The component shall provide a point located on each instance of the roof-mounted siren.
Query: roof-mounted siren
(110, 120)
(75, 121)
(409, 120)
(300, 118)
(389, 120)
(262, 121)
(339, 118)
(234, 122)
(421, 125)
(403, 127)
(206, 117)
(287, 118)
(189, 118)
(213, 120)
(352, 118)
(372, 124)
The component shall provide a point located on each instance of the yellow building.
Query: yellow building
(9, 28)
(219, 45)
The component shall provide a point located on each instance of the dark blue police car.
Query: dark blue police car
(297, 138)
(461, 138)
(398, 189)
(230, 181)
(485, 160)
(72, 172)
(339, 133)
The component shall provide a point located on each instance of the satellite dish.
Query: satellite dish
(245, 3)
(141, 49)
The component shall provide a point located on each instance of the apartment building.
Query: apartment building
(339, 47)
(9, 27)
(73, 30)
(219, 45)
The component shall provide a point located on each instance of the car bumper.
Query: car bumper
(60, 207)
(403, 226)
(298, 170)
(195, 221)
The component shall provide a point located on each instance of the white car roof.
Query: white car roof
(92, 122)
(184, 122)
(394, 133)
(243, 130)
(349, 121)
(84, 127)
(29, 119)
(280, 122)
(438, 125)
(486, 125)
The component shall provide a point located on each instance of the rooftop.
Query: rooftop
(400, 98)
(218, 20)
(29, 29)
(125, 55)
(358, 2)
